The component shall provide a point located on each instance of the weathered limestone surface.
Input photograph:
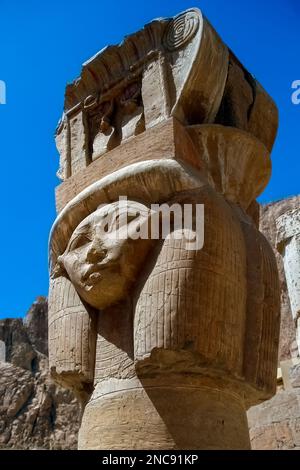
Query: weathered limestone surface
(288, 244)
(276, 423)
(35, 413)
(2, 351)
(269, 214)
(165, 345)
(18, 348)
(34, 322)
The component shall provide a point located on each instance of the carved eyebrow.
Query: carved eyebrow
(77, 232)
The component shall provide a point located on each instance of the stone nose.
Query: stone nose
(95, 254)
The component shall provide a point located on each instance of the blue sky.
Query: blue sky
(42, 47)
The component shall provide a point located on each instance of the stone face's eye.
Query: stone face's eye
(79, 241)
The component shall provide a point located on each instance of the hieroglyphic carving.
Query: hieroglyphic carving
(102, 133)
(115, 120)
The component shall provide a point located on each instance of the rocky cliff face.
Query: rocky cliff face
(269, 214)
(34, 411)
(276, 423)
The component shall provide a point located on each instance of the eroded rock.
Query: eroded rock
(35, 413)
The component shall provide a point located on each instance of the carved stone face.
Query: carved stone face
(102, 258)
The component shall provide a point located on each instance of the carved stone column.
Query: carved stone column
(288, 243)
(166, 345)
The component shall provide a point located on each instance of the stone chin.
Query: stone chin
(105, 290)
